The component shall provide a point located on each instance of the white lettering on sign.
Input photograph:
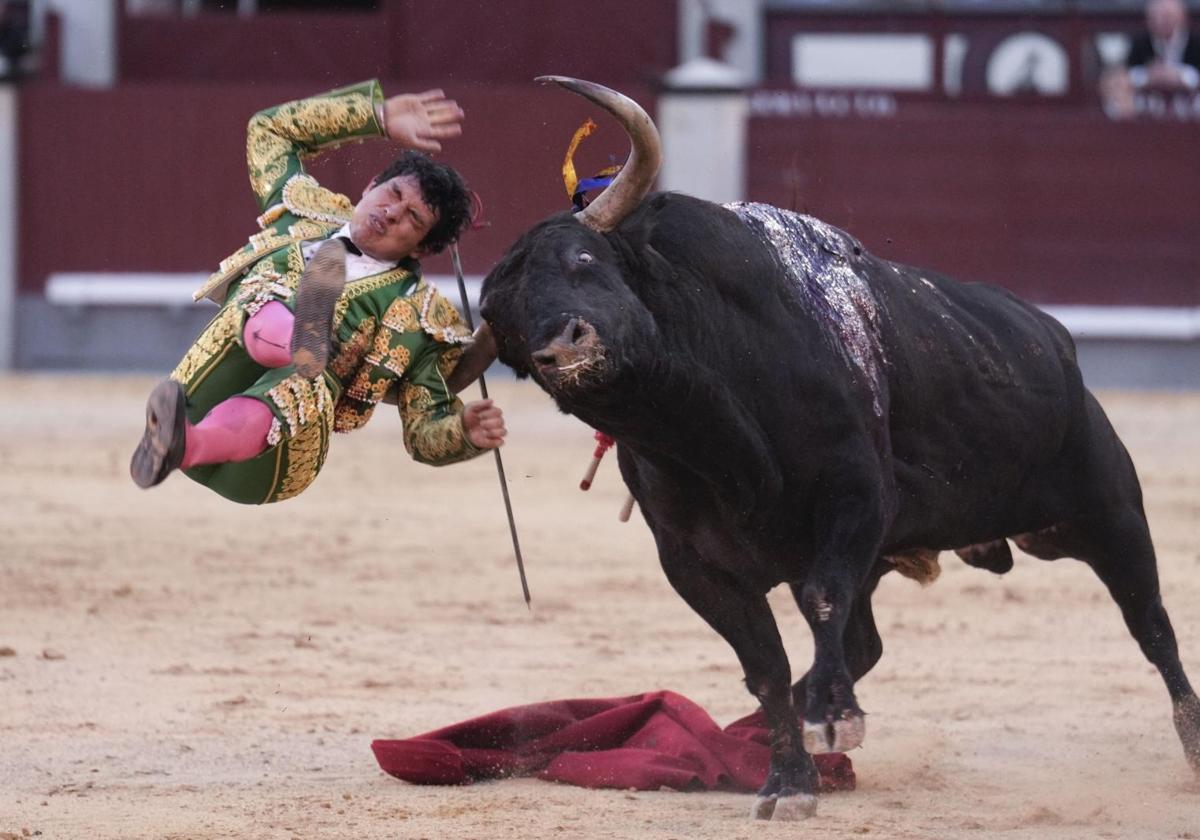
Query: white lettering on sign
(823, 103)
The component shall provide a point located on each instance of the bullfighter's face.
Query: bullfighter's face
(560, 309)
(392, 219)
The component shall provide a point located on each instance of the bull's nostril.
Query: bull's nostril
(544, 357)
(578, 331)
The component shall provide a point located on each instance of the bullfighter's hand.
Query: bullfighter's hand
(422, 120)
(484, 423)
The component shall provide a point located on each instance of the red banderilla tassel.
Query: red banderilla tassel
(603, 444)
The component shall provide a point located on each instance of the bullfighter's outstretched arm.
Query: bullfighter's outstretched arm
(279, 138)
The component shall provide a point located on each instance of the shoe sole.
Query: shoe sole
(160, 442)
(320, 287)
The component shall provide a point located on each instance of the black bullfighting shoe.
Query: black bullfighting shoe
(161, 447)
(320, 287)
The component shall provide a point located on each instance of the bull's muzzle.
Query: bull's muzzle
(571, 356)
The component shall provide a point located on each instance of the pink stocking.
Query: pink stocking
(235, 430)
(268, 335)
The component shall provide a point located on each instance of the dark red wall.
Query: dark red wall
(608, 41)
(1060, 205)
(1047, 198)
(152, 177)
(497, 41)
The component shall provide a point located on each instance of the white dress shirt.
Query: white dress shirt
(357, 265)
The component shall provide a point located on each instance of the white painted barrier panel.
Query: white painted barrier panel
(111, 288)
(1169, 323)
(8, 223)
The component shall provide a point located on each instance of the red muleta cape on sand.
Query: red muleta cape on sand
(645, 742)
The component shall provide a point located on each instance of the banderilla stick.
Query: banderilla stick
(512, 524)
(603, 444)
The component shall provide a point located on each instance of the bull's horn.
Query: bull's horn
(645, 154)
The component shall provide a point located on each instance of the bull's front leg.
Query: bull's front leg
(744, 619)
(833, 720)
(860, 640)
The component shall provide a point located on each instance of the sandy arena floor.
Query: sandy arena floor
(175, 666)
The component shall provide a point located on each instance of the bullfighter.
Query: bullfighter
(324, 312)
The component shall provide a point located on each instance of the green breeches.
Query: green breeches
(218, 367)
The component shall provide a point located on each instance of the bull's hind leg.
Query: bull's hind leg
(744, 619)
(1125, 562)
(1117, 546)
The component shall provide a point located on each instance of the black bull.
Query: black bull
(792, 409)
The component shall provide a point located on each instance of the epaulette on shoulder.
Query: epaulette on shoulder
(441, 320)
(303, 196)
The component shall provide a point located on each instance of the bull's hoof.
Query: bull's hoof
(1187, 724)
(784, 807)
(840, 736)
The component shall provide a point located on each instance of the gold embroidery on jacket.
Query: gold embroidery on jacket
(347, 419)
(448, 361)
(295, 265)
(401, 317)
(373, 376)
(309, 229)
(324, 117)
(264, 240)
(379, 388)
(261, 285)
(310, 124)
(360, 387)
(442, 440)
(352, 351)
(266, 155)
(396, 359)
(271, 215)
(357, 405)
(365, 286)
(301, 401)
(261, 244)
(441, 320)
(306, 453)
(380, 347)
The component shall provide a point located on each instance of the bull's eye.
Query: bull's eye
(585, 257)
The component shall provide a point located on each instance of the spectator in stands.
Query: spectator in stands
(14, 37)
(324, 313)
(1166, 55)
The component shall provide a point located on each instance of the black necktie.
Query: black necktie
(350, 246)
